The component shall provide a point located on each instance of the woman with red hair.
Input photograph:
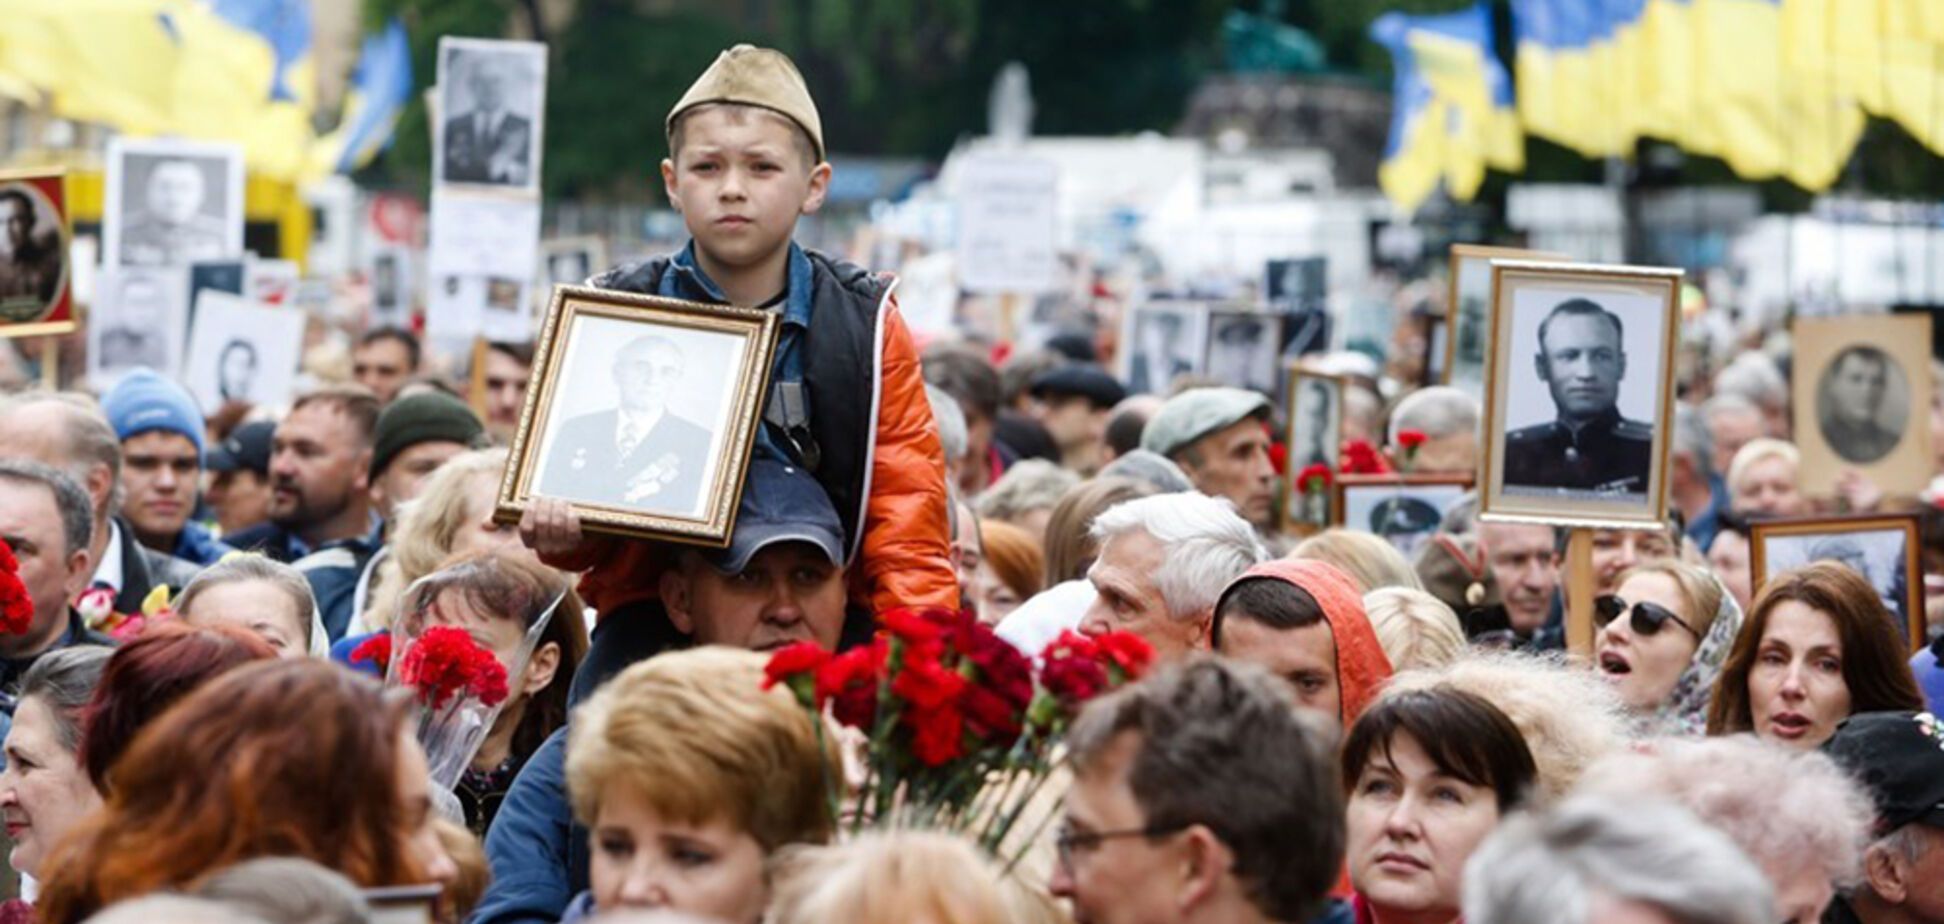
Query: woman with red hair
(245, 767)
(167, 662)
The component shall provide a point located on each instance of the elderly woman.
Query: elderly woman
(892, 877)
(1817, 648)
(258, 595)
(1797, 815)
(689, 775)
(1416, 629)
(1369, 560)
(1024, 496)
(1427, 774)
(45, 790)
(1763, 482)
(1662, 638)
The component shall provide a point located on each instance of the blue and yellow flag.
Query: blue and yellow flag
(1453, 108)
(380, 87)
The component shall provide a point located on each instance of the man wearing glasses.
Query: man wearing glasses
(1588, 446)
(1200, 794)
(640, 454)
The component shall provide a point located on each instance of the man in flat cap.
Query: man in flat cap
(1220, 438)
(1589, 446)
(1073, 403)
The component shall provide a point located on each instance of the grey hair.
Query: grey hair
(76, 508)
(1726, 404)
(89, 440)
(237, 569)
(64, 681)
(1151, 468)
(163, 908)
(1753, 376)
(1029, 485)
(1908, 842)
(288, 890)
(1208, 545)
(952, 432)
(1691, 437)
(1551, 866)
(1438, 411)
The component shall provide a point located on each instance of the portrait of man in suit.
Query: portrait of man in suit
(490, 142)
(1161, 352)
(640, 454)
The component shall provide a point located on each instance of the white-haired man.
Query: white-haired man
(1755, 378)
(1732, 421)
(1448, 418)
(1162, 565)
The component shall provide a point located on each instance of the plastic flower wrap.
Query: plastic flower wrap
(459, 685)
(961, 727)
(16, 606)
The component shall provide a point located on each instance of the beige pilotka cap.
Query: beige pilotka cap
(754, 76)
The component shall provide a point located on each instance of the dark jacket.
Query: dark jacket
(333, 570)
(537, 854)
(662, 472)
(143, 568)
(12, 669)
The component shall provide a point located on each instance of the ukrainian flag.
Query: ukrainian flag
(379, 90)
(1453, 108)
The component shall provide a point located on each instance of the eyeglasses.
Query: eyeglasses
(1068, 841)
(1648, 618)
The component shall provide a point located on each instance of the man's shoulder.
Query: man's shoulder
(168, 569)
(1634, 430)
(1532, 434)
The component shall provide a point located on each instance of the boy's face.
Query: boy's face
(740, 180)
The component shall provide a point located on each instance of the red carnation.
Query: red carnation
(1073, 680)
(849, 682)
(16, 605)
(375, 651)
(926, 684)
(1314, 478)
(445, 661)
(1069, 644)
(1411, 439)
(1360, 458)
(1279, 457)
(792, 661)
(937, 735)
(911, 626)
(1127, 651)
(992, 715)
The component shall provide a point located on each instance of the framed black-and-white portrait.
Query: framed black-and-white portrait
(1244, 349)
(171, 202)
(243, 351)
(570, 261)
(1883, 549)
(642, 414)
(390, 274)
(1292, 285)
(492, 99)
(1579, 392)
(1862, 389)
(506, 312)
(139, 319)
(36, 285)
(1313, 406)
(220, 275)
(1161, 342)
(1405, 510)
(1469, 312)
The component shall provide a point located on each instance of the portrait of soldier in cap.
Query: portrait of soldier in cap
(1242, 351)
(32, 268)
(1861, 404)
(175, 207)
(1588, 446)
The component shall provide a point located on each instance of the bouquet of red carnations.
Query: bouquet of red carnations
(961, 727)
(16, 606)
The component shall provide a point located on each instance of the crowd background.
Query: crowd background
(280, 662)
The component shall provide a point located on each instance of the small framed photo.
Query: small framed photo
(36, 288)
(1579, 393)
(571, 261)
(139, 320)
(642, 414)
(1296, 284)
(1469, 311)
(390, 272)
(1883, 549)
(172, 203)
(243, 351)
(492, 100)
(1314, 404)
(1162, 341)
(1243, 347)
(1862, 401)
(1405, 510)
(1437, 337)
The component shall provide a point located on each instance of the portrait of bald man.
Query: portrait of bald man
(640, 454)
(176, 208)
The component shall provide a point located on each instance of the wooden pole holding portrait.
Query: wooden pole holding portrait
(1581, 586)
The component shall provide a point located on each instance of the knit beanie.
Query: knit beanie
(427, 417)
(144, 401)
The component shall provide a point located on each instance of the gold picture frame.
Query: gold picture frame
(1470, 271)
(46, 189)
(1910, 568)
(1535, 465)
(1295, 377)
(629, 463)
(1862, 390)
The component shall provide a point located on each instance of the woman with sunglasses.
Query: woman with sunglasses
(1663, 635)
(1428, 773)
(1818, 648)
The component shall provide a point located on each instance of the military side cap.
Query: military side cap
(1453, 569)
(752, 76)
(1196, 413)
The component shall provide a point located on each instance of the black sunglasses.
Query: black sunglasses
(1648, 618)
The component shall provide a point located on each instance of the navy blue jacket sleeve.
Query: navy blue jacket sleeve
(530, 846)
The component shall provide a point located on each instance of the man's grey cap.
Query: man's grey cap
(1196, 413)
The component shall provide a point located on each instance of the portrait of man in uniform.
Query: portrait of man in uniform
(639, 454)
(490, 136)
(1316, 424)
(1588, 446)
(1851, 404)
(178, 218)
(1164, 346)
(31, 271)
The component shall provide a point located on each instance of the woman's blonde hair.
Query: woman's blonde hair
(1756, 451)
(695, 734)
(1369, 560)
(426, 528)
(1695, 585)
(1415, 629)
(889, 877)
(1569, 717)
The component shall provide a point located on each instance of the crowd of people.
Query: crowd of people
(204, 720)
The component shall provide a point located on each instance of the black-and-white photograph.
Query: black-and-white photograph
(1244, 349)
(1881, 549)
(1578, 389)
(34, 267)
(639, 421)
(242, 351)
(1315, 419)
(492, 95)
(1861, 384)
(391, 287)
(506, 314)
(570, 261)
(172, 203)
(1162, 342)
(1296, 284)
(1404, 510)
(138, 320)
(219, 275)
(1469, 309)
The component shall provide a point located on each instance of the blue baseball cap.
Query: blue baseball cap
(144, 401)
(780, 503)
